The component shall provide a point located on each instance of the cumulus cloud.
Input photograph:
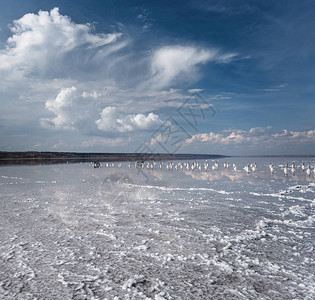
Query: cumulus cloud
(74, 109)
(297, 136)
(255, 136)
(83, 110)
(62, 107)
(114, 121)
(42, 41)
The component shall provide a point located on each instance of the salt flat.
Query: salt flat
(120, 232)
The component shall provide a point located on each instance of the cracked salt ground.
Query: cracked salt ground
(74, 232)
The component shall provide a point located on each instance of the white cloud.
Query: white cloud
(171, 61)
(74, 109)
(276, 88)
(62, 107)
(42, 41)
(259, 136)
(205, 138)
(83, 110)
(192, 91)
(114, 121)
(296, 136)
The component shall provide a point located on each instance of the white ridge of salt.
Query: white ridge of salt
(133, 281)
(182, 189)
(296, 210)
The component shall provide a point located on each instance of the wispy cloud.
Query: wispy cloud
(276, 88)
(229, 7)
(145, 19)
(172, 63)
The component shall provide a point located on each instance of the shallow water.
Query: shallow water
(75, 232)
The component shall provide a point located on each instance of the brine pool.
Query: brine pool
(70, 231)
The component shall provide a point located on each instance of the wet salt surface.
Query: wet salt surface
(74, 232)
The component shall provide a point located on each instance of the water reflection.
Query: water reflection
(259, 171)
(151, 174)
(240, 176)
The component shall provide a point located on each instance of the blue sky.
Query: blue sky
(120, 76)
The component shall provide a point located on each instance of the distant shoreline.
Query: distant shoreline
(48, 157)
(34, 158)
